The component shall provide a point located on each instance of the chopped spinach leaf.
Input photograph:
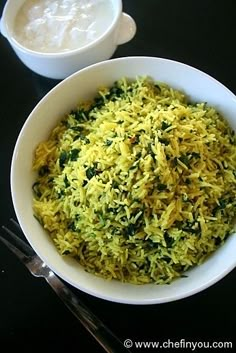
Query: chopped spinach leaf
(80, 115)
(158, 87)
(192, 227)
(72, 227)
(151, 245)
(77, 128)
(44, 170)
(130, 229)
(178, 224)
(114, 184)
(113, 210)
(218, 241)
(161, 187)
(169, 240)
(139, 155)
(221, 206)
(195, 155)
(223, 203)
(63, 159)
(36, 189)
(165, 141)
(85, 182)
(66, 252)
(184, 159)
(165, 125)
(108, 142)
(114, 93)
(90, 172)
(85, 139)
(175, 161)
(73, 155)
(66, 181)
(101, 219)
(167, 259)
(98, 102)
(150, 151)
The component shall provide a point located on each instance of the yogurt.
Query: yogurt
(53, 26)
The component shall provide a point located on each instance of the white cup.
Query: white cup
(61, 65)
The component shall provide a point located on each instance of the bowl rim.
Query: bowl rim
(148, 301)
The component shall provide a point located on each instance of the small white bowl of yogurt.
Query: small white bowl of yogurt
(56, 38)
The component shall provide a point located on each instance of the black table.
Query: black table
(200, 33)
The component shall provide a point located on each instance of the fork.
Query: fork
(104, 336)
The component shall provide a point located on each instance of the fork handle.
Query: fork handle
(93, 324)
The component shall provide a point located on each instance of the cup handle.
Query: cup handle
(127, 29)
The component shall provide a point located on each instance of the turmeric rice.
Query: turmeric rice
(139, 184)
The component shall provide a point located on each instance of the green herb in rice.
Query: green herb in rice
(139, 184)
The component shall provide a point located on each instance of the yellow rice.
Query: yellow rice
(139, 184)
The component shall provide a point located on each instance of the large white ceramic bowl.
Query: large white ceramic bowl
(59, 101)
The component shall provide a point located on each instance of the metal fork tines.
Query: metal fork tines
(38, 268)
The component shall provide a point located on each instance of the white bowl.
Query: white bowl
(59, 101)
(61, 65)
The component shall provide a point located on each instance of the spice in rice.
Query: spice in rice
(139, 184)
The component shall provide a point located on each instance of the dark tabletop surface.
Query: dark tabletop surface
(199, 33)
